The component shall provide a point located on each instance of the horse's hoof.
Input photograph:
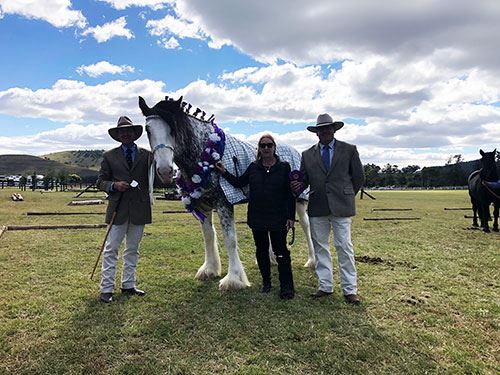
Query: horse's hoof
(485, 230)
(495, 229)
(232, 282)
(475, 224)
(205, 274)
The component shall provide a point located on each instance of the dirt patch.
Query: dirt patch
(378, 260)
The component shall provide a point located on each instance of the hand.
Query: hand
(290, 224)
(296, 186)
(220, 166)
(121, 186)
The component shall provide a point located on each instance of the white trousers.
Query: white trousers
(320, 233)
(132, 234)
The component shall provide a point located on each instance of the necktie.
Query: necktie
(128, 157)
(325, 155)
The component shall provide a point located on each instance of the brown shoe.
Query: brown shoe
(320, 293)
(353, 299)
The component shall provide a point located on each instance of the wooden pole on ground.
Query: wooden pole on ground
(65, 226)
(84, 190)
(457, 208)
(392, 209)
(390, 218)
(62, 213)
(363, 191)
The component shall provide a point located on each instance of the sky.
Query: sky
(414, 81)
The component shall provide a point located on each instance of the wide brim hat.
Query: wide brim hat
(124, 123)
(325, 120)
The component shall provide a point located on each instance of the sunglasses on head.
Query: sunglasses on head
(264, 145)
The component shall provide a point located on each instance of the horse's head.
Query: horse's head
(161, 128)
(488, 165)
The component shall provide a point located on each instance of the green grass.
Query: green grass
(431, 307)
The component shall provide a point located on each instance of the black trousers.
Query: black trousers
(278, 241)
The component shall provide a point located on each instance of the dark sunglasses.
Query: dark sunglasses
(264, 145)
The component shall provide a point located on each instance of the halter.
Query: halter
(161, 145)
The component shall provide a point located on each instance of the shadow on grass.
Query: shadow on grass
(193, 328)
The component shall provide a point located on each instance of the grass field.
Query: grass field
(430, 306)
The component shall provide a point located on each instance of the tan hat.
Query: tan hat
(324, 120)
(123, 123)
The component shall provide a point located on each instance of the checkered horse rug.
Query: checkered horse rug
(237, 157)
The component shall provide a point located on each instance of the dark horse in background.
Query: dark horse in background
(481, 195)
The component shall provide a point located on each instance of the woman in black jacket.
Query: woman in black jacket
(271, 211)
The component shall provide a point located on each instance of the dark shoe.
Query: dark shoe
(287, 294)
(353, 299)
(106, 297)
(133, 292)
(320, 293)
(266, 288)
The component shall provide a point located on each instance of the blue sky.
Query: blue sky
(415, 82)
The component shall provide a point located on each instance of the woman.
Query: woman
(271, 211)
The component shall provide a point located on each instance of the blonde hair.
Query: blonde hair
(259, 156)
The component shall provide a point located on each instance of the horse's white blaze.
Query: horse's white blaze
(162, 144)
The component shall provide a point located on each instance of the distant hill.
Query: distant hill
(90, 159)
(27, 164)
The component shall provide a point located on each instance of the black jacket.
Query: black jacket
(271, 201)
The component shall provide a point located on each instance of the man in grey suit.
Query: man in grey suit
(334, 172)
(124, 176)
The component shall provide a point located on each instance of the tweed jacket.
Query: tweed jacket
(332, 192)
(133, 203)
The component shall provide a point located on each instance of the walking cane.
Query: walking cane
(106, 236)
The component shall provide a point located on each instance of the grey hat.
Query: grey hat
(324, 120)
(123, 123)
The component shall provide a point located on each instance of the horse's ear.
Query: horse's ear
(146, 111)
(481, 152)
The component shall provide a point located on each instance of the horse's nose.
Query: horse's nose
(165, 173)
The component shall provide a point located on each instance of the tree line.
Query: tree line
(454, 173)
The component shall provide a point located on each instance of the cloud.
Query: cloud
(69, 137)
(109, 30)
(124, 4)
(170, 43)
(463, 34)
(170, 24)
(74, 101)
(56, 12)
(438, 113)
(103, 67)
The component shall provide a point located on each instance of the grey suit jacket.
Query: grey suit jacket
(133, 203)
(332, 192)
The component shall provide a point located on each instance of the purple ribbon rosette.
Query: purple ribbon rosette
(298, 176)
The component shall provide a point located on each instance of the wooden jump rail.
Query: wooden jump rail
(65, 226)
(62, 213)
(86, 203)
(3, 229)
(457, 208)
(175, 212)
(390, 218)
(392, 209)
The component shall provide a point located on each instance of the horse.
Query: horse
(195, 145)
(481, 195)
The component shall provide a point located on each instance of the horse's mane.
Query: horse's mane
(176, 114)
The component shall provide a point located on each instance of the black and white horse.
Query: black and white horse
(175, 136)
(481, 195)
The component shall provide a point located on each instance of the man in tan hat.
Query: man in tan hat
(124, 176)
(333, 171)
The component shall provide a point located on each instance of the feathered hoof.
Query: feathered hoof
(206, 273)
(310, 264)
(233, 282)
